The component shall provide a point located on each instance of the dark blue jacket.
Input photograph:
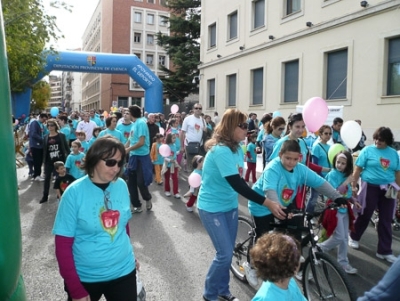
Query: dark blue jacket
(35, 135)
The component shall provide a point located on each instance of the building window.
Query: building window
(292, 6)
(211, 93)
(232, 90)
(291, 82)
(212, 33)
(137, 37)
(163, 21)
(123, 102)
(150, 19)
(233, 25)
(161, 60)
(150, 39)
(393, 85)
(258, 85)
(336, 75)
(150, 1)
(138, 17)
(258, 13)
(163, 2)
(138, 55)
(149, 59)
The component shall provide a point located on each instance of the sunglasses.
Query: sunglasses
(197, 108)
(113, 162)
(243, 126)
(330, 134)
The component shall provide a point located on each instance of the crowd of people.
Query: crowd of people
(100, 164)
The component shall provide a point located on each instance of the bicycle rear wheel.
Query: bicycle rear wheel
(244, 241)
(328, 281)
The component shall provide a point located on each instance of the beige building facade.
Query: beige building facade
(271, 55)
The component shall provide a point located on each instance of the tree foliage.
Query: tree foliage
(41, 93)
(27, 30)
(183, 48)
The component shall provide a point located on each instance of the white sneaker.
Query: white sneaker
(189, 209)
(167, 193)
(349, 269)
(299, 276)
(390, 257)
(353, 243)
(251, 275)
(177, 196)
(39, 178)
(302, 259)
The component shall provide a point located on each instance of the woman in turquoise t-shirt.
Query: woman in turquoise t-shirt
(379, 166)
(93, 247)
(274, 129)
(319, 153)
(218, 198)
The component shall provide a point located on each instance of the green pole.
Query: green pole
(12, 286)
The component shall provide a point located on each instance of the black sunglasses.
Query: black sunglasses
(243, 126)
(197, 108)
(113, 162)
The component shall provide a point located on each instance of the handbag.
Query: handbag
(391, 192)
(193, 148)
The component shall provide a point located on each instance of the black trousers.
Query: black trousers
(136, 184)
(120, 289)
(37, 155)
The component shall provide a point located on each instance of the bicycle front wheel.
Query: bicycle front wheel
(326, 280)
(244, 241)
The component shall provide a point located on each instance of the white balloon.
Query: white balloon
(351, 133)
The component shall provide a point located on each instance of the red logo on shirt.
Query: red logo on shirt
(384, 163)
(286, 194)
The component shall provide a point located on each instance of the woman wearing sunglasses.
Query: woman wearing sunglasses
(93, 247)
(218, 198)
(55, 148)
(379, 168)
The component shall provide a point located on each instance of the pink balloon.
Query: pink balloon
(165, 150)
(161, 130)
(174, 109)
(315, 112)
(194, 180)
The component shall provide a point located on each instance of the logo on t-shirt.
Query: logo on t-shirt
(197, 127)
(109, 221)
(384, 163)
(126, 135)
(286, 194)
(78, 163)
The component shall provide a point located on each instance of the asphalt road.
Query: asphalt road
(171, 244)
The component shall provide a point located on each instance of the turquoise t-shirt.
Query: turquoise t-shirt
(102, 249)
(92, 140)
(84, 146)
(160, 159)
(336, 178)
(261, 135)
(172, 156)
(270, 291)
(72, 135)
(97, 121)
(285, 183)
(216, 195)
(73, 164)
(125, 129)
(140, 129)
(320, 151)
(178, 140)
(379, 165)
(251, 148)
(278, 146)
(66, 130)
(115, 133)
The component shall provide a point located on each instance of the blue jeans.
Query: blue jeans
(222, 229)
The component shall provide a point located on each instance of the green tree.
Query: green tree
(28, 29)
(41, 93)
(182, 47)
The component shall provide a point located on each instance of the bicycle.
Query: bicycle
(322, 277)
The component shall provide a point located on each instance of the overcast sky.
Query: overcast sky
(72, 25)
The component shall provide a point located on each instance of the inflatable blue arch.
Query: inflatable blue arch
(94, 62)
